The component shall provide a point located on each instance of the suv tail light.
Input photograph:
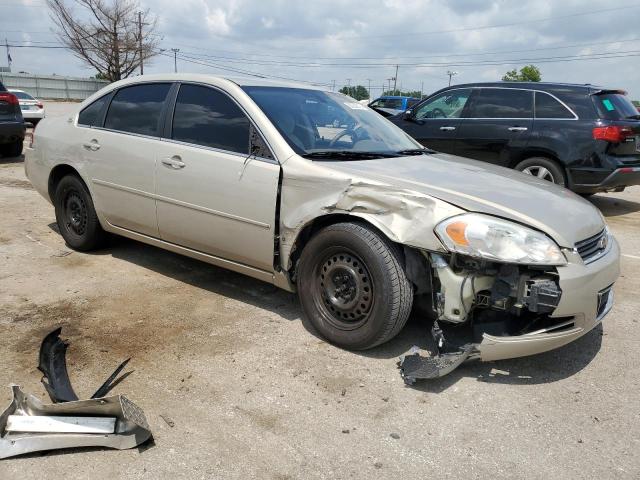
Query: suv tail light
(613, 134)
(8, 97)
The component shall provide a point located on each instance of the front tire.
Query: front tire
(76, 216)
(544, 169)
(352, 286)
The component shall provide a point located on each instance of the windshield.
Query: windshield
(317, 122)
(615, 106)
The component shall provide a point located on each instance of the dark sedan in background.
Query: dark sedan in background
(12, 128)
(581, 136)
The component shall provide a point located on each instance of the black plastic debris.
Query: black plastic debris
(53, 365)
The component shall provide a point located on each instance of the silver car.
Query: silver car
(313, 192)
(32, 109)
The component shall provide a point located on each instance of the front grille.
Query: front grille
(593, 246)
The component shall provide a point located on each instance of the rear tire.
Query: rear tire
(12, 149)
(352, 286)
(76, 216)
(543, 168)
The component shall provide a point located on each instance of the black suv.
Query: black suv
(12, 128)
(581, 136)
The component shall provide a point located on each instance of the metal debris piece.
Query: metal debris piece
(53, 365)
(131, 428)
(414, 366)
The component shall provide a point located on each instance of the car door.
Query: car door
(213, 196)
(434, 122)
(118, 149)
(497, 125)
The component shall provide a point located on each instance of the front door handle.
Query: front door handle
(93, 145)
(174, 162)
(518, 129)
(447, 129)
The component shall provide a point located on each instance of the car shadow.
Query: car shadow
(613, 207)
(7, 160)
(543, 368)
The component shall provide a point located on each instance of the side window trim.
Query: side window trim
(163, 112)
(567, 107)
(170, 111)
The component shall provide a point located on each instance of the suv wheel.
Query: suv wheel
(76, 217)
(12, 149)
(543, 168)
(352, 286)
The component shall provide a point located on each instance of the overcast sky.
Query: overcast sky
(335, 40)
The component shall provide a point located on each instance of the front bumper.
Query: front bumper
(579, 310)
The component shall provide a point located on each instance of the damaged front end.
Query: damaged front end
(472, 301)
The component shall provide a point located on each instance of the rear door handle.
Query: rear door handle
(93, 145)
(448, 129)
(174, 162)
(518, 129)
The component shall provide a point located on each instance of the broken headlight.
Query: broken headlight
(495, 239)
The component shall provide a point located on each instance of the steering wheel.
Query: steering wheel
(438, 113)
(348, 131)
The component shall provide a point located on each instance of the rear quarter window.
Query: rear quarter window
(547, 106)
(92, 115)
(614, 106)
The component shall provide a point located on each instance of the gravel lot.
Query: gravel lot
(254, 394)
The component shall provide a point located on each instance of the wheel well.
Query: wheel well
(535, 153)
(59, 172)
(310, 229)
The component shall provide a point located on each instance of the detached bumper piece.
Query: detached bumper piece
(415, 367)
(28, 425)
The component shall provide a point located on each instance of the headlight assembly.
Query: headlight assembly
(492, 238)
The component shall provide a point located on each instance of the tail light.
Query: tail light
(40, 105)
(613, 134)
(8, 97)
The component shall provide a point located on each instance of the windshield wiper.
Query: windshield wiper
(416, 151)
(348, 154)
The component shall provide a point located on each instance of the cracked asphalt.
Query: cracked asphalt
(235, 385)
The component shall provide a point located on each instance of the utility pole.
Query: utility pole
(349, 86)
(395, 79)
(175, 59)
(6, 43)
(451, 74)
(140, 43)
(369, 90)
(421, 89)
(333, 85)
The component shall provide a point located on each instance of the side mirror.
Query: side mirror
(408, 115)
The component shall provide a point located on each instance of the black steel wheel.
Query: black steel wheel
(352, 286)
(76, 217)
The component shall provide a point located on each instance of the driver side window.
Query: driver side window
(448, 104)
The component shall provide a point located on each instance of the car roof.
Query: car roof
(242, 81)
(19, 91)
(531, 85)
(395, 96)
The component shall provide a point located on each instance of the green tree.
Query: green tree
(400, 93)
(358, 92)
(529, 73)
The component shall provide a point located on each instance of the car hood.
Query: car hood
(485, 188)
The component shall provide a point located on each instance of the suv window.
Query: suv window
(137, 109)
(615, 106)
(549, 107)
(204, 116)
(91, 116)
(449, 104)
(501, 103)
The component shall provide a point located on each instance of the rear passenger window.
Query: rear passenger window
(207, 117)
(91, 116)
(501, 103)
(137, 109)
(549, 107)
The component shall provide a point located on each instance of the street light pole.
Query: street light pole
(175, 59)
(451, 74)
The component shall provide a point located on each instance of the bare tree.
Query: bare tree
(108, 35)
